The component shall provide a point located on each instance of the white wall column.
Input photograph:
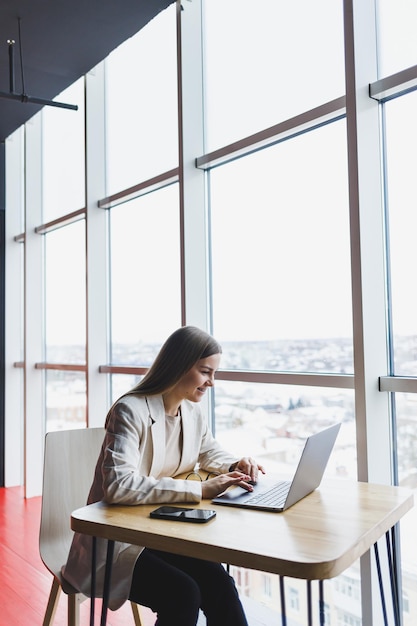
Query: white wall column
(13, 404)
(367, 234)
(368, 266)
(192, 182)
(34, 398)
(97, 249)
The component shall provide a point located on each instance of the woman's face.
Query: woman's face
(194, 384)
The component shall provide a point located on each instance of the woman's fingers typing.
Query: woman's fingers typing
(247, 465)
(214, 486)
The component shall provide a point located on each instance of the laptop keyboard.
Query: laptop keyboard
(272, 497)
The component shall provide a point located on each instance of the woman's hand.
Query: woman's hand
(214, 486)
(248, 466)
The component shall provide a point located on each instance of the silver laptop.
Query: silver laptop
(277, 496)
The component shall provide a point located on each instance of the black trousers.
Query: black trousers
(177, 587)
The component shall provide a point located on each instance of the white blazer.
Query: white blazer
(128, 471)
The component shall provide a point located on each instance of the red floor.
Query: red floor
(24, 581)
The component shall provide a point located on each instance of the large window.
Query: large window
(63, 182)
(280, 255)
(141, 105)
(65, 326)
(145, 275)
(65, 289)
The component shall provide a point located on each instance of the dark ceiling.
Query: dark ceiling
(61, 40)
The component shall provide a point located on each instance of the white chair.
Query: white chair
(69, 462)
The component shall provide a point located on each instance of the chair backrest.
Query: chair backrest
(70, 458)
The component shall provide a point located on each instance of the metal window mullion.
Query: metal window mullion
(60, 222)
(335, 381)
(148, 186)
(402, 384)
(288, 129)
(394, 85)
(308, 379)
(367, 263)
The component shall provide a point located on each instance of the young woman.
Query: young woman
(155, 432)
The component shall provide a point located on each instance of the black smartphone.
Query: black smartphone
(182, 514)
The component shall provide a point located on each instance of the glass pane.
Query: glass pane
(397, 35)
(145, 275)
(63, 145)
(65, 294)
(281, 258)
(401, 150)
(65, 400)
(141, 105)
(406, 410)
(271, 422)
(15, 143)
(120, 383)
(268, 62)
(260, 594)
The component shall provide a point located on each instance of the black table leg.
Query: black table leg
(392, 563)
(107, 582)
(282, 594)
(321, 603)
(309, 604)
(93, 580)
(381, 585)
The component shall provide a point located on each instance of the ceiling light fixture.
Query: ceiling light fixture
(23, 97)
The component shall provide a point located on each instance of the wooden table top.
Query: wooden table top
(317, 538)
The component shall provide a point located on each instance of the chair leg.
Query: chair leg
(52, 603)
(136, 614)
(74, 601)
